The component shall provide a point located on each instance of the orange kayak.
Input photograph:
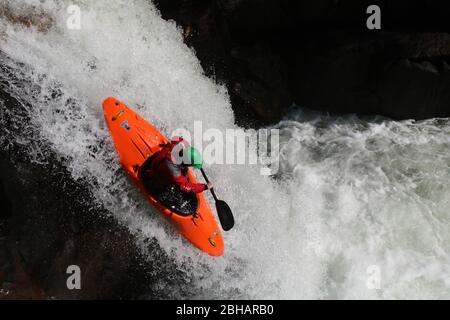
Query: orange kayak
(136, 141)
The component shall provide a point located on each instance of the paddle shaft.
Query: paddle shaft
(207, 181)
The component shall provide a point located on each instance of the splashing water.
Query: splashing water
(352, 193)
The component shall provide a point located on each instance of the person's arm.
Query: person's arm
(188, 186)
(183, 181)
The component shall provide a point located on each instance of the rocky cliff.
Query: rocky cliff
(320, 55)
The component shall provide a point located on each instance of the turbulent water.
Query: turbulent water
(355, 199)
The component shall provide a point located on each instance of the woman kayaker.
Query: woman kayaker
(170, 167)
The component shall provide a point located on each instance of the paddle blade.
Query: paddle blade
(225, 215)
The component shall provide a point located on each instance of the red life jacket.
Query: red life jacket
(163, 171)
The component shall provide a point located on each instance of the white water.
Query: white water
(353, 194)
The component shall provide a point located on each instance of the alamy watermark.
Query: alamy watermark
(73, 282)
(233, 146)
(74, 20)
(374, 20)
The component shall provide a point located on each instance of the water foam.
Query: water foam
(353, 194)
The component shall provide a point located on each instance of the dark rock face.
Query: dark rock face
(252, 70)
(320, 55)
(399, 76)
(47, 227)
(48, 222)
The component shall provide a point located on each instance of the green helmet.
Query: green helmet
(192, 157)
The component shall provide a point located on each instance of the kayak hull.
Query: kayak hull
(135, 141)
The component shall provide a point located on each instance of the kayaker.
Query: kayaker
(170, 167)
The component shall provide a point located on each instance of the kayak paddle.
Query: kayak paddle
(223, 210)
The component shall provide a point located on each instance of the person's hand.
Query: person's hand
(209, 185)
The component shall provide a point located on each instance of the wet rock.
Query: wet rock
(393, 74)
(252, 70)
(50, 221)
(320, 55)
(40, 243)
